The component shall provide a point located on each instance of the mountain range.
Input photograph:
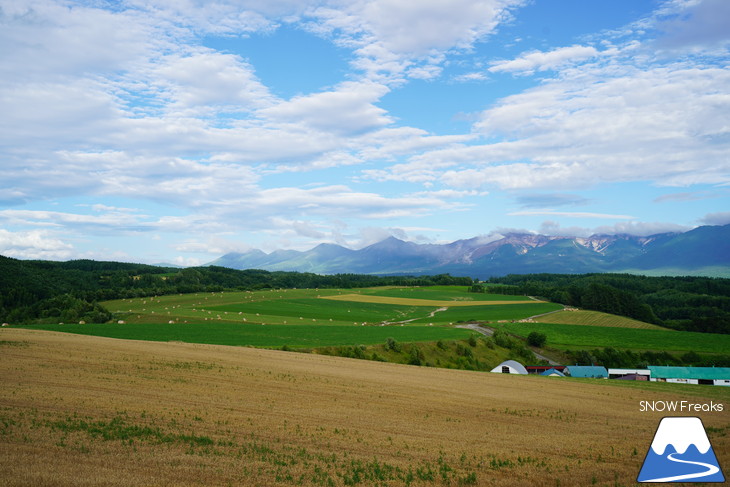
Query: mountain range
(702, 251)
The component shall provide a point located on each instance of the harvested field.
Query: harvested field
(595, 318)
(82, 410)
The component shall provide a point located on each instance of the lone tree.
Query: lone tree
(537, 339)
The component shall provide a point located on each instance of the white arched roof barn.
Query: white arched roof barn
(510, 367)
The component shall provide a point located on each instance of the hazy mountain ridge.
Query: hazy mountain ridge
(694, 251)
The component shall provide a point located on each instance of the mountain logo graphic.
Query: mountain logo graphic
(680, 452)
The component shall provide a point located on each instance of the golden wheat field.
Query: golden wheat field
(80, 410)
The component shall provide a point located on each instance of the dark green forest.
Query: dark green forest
(700, 304)
(46, 291)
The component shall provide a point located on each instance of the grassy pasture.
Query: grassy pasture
(310, 306)
(400, 300)
(493, 313)
(81, 410)
(576, 337)
(595, 318)
(257, 335)
(440, 293)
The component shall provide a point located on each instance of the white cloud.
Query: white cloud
(398, 38)
(205, 80)
(467, 77)
(34, 244)
(529, 62)
(571, 214)
(347, 109)
(336, 200)
(697, 25)
(719, 218)
(635, 228)
(611, 122)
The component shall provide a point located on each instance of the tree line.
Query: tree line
(700, 304)
(46, 291)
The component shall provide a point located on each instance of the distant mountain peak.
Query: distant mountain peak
(698, 251)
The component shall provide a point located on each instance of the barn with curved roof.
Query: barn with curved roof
(510, 367)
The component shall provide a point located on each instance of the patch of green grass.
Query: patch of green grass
(321, 309)
(494, 312)
(300, 336)
(587, 337)
(457, 293)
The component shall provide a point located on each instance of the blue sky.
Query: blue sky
(176, 131)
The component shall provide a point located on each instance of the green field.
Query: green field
(307, 306)
(454, 293)
(303, 318)
(573, 337)
(256, 335)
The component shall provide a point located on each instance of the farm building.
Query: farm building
(510, 367)
(552, 372)
(719, 376)
(587, 371)
(633, 377)
(539, 369)
(629, 374)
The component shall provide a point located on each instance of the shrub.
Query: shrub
(391, 344)
(537, 339)
(464, 351)
(416, 356)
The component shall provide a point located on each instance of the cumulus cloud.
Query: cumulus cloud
(635, 228)
(614, 122)
(697, 25)
(347, 109)
(34, 244)
(529, 62)
(398, 38)
(719, 218)
(206, 81)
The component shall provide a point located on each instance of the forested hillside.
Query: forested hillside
(684, 303)
(48, 291)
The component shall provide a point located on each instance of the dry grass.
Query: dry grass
(595, 318)
(367, 298)
(80, 410)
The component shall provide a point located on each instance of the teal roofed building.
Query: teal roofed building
(587, 371)
(718, 376)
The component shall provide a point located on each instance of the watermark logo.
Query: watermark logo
(680, 452)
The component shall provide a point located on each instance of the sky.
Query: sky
(175, 131)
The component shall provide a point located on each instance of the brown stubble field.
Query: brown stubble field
(81, 410)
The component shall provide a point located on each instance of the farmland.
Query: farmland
(313, 319)
(586, 336)
(595, 318)
(306, 318)
(83, 410)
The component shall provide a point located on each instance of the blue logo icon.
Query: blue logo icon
(680, 452)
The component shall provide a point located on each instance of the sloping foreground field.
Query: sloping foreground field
(81, 410)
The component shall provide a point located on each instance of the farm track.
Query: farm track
(219, 415)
